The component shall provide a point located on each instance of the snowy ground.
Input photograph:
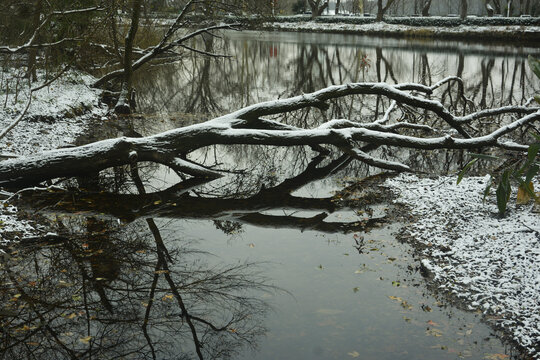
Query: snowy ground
(57, 115)
(382, 28)
(489, 263)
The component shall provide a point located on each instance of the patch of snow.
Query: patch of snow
(491, 262)
(57, 115)
(385, 28)
(11, 227)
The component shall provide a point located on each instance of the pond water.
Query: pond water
(294, 259)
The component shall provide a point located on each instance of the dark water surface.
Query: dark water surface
(293, 259)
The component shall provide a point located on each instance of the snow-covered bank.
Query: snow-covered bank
(56, 116)
(57, 113)
(466, 32)
(489, 263)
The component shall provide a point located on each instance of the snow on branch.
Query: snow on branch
(30, 44)
(248, 126)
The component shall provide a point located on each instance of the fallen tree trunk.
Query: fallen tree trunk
(247, 126)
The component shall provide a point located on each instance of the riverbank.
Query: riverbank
(486, 263)
(521, 33)
(57, 115)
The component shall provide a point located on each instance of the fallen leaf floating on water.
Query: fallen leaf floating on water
(434, 332)
(354, 354)
(85, 340)
(406, 305)
(431, 323)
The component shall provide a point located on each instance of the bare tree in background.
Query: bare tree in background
(317, 7)
(463, 9)
(383, 8)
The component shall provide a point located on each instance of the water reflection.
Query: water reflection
(267, 66)
(121, 278)
(230, 209)
(99, 290)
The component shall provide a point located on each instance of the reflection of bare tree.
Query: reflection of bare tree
(262, 68)
(202, 99)
(98, 291)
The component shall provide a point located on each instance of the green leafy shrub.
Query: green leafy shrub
(521, 172)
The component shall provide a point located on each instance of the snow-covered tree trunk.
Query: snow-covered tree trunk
(251, 126)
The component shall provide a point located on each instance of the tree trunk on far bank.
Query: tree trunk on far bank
(464, 9)
(380, 13)
(425, 8)
(381, 10)
(316, 7)
(123, 105)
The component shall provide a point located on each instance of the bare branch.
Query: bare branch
(162, 47)
(498, 111)
(30, 43)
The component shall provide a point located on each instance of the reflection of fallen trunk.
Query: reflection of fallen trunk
(130, 207)
(176, 202)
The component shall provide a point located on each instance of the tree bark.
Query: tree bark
(425, 9)
(124, 101)
(381, 10)
(31, 73)
(248, 126)
(463, 9)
